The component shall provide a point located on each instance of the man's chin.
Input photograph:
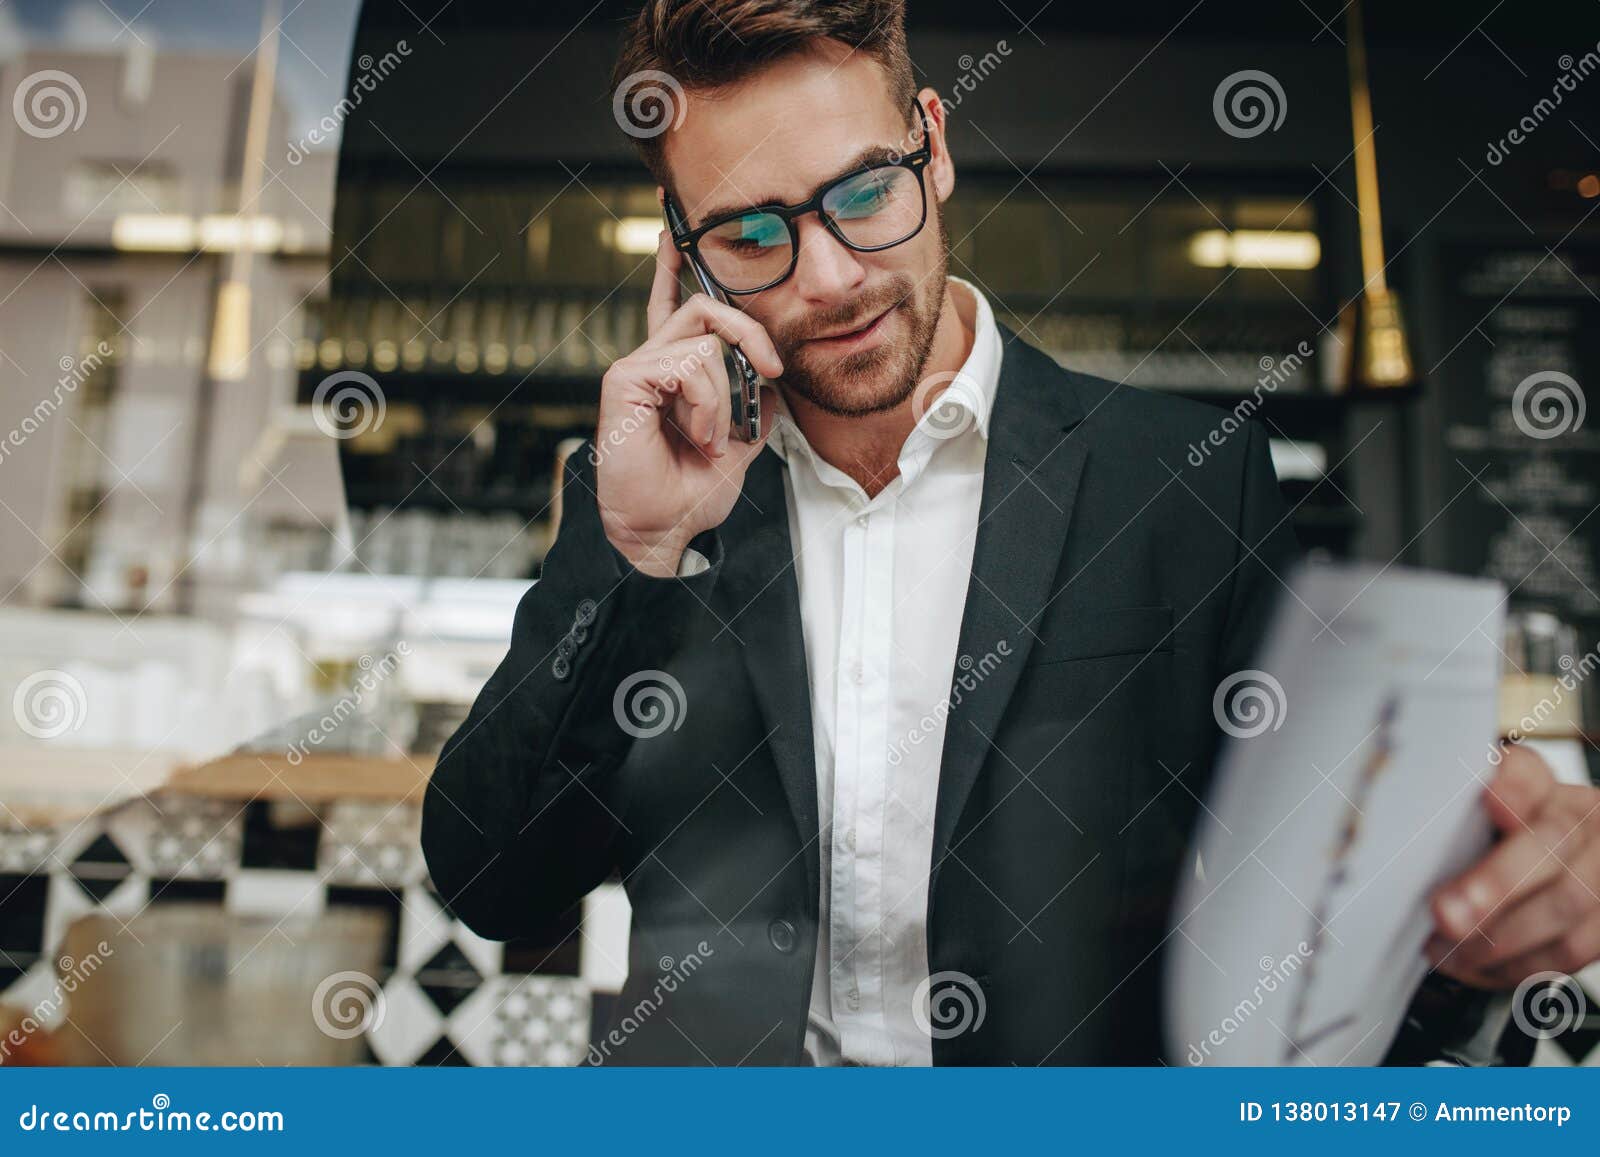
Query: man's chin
(854, 386)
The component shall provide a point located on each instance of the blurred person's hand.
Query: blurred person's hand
(666, 467)
(1532, 904)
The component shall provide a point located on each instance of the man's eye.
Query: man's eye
(863, 199)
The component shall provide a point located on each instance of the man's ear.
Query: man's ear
(941, 169)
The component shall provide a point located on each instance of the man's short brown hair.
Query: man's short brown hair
(710, 43)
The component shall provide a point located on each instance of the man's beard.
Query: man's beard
(877, 379)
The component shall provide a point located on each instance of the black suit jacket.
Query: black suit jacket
(1114, 584)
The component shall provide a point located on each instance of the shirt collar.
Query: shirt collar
(966, 403)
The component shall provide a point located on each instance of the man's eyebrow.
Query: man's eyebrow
(871, 155)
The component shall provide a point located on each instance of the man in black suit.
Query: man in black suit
(894, 721)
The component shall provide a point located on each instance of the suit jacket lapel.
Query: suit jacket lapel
(764, 598)
(1030, 482)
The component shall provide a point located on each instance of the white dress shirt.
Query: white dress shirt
(882, 585)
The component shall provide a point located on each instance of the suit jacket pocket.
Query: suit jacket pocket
(1118, 631)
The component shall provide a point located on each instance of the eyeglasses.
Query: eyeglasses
(878, 206)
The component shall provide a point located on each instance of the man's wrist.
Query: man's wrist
(659, 558)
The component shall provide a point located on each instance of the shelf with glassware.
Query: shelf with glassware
(471, 421)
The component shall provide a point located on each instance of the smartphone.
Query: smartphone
(744, 384)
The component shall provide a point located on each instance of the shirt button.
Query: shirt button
(782, 935)
(853, 999)
(858, 673)
(861, 523)
(850, 838)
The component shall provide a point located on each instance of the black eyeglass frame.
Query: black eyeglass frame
(916, 161)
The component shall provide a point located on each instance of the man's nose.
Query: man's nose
(826, 271)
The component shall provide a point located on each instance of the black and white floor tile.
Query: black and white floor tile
(450, 997)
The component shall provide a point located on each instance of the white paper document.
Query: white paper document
(1349, 789)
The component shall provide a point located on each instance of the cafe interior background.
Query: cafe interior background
(299, 304)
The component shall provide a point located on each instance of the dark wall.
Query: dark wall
(506, 86)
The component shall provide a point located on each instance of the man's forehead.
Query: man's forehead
(777, 136)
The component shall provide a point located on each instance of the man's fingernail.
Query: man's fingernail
(1456, 911)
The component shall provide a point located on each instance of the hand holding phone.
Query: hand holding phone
(744, 383)
(667, 466)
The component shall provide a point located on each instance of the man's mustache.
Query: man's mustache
(849, 316)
